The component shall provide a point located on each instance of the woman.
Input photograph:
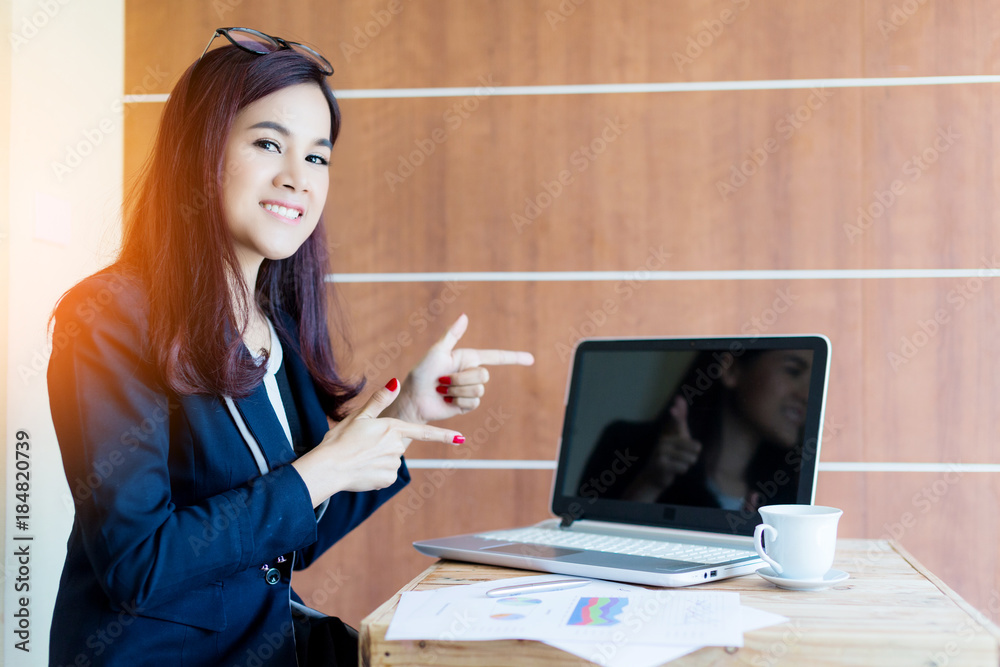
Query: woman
(718, 446)
(202, 423)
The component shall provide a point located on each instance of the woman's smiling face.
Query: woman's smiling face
(772, 392)
(276, 173)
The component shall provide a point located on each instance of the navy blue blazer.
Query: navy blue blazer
(174, 521)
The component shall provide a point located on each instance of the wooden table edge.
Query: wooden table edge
(959, 601)
(388, 607)
(364, 642)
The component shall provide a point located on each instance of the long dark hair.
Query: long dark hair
(177, 243)
(705, 420)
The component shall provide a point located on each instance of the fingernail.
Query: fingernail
(442, 390)
(444, 379)
(458, 439)
(392, 385)
(449, 399)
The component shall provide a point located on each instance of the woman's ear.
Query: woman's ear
(730, 371)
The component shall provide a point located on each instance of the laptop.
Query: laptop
(669, 446)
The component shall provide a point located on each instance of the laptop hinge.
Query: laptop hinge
(567, 521)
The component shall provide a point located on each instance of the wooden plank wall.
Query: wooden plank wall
(649, 183)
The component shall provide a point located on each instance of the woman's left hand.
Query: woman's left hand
(449, 382)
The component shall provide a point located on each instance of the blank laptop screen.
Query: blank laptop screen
(692, 433)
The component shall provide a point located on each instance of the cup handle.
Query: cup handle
(758, 545)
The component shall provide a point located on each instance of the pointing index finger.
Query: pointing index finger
(503, 358)
(428, 433)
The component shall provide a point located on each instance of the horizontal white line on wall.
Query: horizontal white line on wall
(834, 466)
(480, 464)
(584, 276)
(830, 466)
(620, 88)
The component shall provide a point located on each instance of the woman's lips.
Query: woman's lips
(283, 211)
(795, 415)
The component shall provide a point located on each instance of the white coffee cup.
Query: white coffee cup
(801, 539)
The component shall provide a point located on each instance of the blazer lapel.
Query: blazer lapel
(259, 416)
(311, 415)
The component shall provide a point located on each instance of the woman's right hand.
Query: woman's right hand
(361, 452)
(674, 454)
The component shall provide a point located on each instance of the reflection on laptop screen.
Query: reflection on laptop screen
(717, 429)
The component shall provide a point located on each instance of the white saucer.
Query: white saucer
(829, 579)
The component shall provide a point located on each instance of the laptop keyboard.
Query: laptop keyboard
(694, 553)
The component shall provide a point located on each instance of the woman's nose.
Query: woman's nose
(292, 176)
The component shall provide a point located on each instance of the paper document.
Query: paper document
(601, 611)
(632, 654)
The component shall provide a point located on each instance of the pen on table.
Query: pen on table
(537, 587)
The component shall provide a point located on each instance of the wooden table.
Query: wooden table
(892, 611)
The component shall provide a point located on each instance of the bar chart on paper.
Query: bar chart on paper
(598, 611)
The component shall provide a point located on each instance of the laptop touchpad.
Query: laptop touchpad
(533, 550)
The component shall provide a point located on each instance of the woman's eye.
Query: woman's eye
(318, 159)
(266, 144)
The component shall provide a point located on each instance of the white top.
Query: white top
(274, 360)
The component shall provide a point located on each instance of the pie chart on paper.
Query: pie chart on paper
(520, 602)
(507, 617)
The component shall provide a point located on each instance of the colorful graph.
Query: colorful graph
(520, 602)
(507, 617)
(598, 611)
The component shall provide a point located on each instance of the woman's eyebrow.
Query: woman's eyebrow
(796, 359)
(283, 131)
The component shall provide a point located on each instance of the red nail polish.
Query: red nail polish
(442, 390)
(458, 439)
(392, 385)
(444, 379)
(449, 399)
